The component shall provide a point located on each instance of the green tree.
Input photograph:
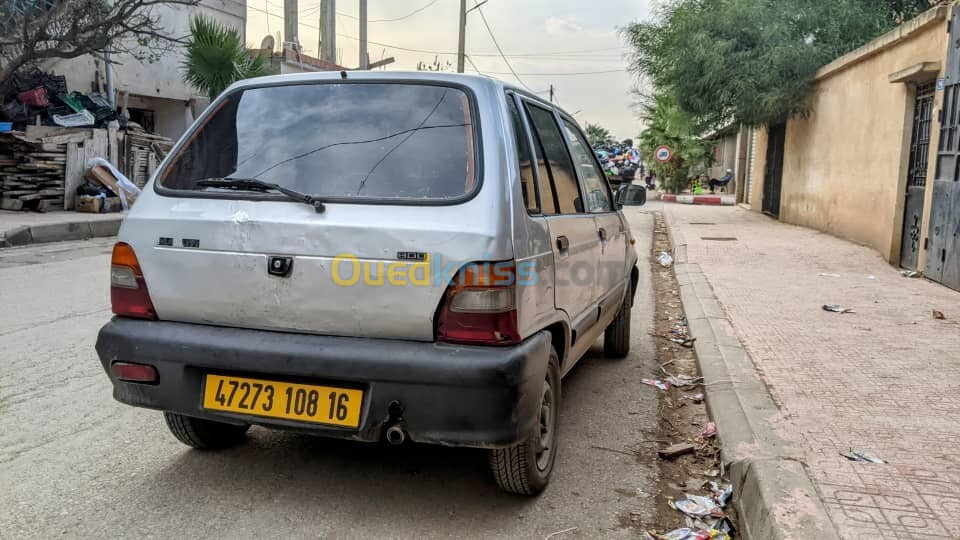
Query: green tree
(668, 125)
(596, 134)
(33, 31)
(753, 61)
(217, 57)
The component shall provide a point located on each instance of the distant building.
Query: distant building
(289, 61)
(154, 93)
(729, 154)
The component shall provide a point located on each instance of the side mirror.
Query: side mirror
(640, 197)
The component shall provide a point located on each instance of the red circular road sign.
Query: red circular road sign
(662, 154)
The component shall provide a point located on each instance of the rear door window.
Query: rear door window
(376, 141)
(557, 160)
(597, 194)
(525, 157)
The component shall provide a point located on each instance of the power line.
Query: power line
(475, 68)
(559, 53)
(497, 45)
(558, 74)
(426, 51)
(407, 16)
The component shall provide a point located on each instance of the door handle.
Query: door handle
(563, 243)
(603, 234)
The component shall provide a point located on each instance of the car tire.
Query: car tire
(205, 434)
(616, 338)
(524, 468)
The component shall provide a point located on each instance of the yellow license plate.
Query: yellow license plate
(303, 402)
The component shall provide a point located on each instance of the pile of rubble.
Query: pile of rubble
(48, 135)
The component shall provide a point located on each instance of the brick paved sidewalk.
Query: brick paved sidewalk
(885, 380)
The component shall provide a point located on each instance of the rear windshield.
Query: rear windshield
(336, 141)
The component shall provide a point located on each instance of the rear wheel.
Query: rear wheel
(525, 468)
(204, 434)
(616, 338)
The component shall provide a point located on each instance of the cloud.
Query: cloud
(558, 26)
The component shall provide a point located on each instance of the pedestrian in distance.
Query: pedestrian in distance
(721, 183)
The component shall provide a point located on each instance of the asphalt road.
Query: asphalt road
(74, 463)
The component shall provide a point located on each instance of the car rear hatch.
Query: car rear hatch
(395, 164)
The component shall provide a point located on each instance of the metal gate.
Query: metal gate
(773, 170)
(917, 176)
(943, 250)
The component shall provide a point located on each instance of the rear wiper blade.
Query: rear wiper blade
(252, 184)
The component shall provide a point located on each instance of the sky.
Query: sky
(545, 41)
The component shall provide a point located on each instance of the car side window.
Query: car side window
(548, 196)
(557, 160)
(597, 194)
(526, 160)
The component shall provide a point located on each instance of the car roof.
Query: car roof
(469, 80)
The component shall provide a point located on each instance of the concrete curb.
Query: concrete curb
(773, 493)
(712, 200)
(60, 232)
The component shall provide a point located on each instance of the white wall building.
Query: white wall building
(155, 93)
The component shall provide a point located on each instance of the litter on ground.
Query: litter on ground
(656, 383)
(676, 450)
(698, 506)
(681, 381)
(859, 455)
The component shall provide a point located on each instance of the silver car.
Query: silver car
(371, 256)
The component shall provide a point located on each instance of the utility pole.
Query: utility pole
(551, 93)
(290, 22)
(364, 59)
(108, 72)
(328, 31)
(461, 45)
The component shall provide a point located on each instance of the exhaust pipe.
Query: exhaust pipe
(396, 435)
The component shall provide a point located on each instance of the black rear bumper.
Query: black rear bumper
(449, 394)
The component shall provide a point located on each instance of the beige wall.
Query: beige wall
(844, 165)
(759, 163)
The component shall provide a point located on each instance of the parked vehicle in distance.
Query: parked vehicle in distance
(371, 256)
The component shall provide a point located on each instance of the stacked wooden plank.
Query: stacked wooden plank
(31, 173)
(42, 167)
(143, 152)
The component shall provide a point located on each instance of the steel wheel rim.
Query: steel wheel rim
(545, 428)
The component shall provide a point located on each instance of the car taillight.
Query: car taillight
(128, 290)
(479, 307)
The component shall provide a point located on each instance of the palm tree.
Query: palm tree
(596, 134)
(217, 57)
(667, 124)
